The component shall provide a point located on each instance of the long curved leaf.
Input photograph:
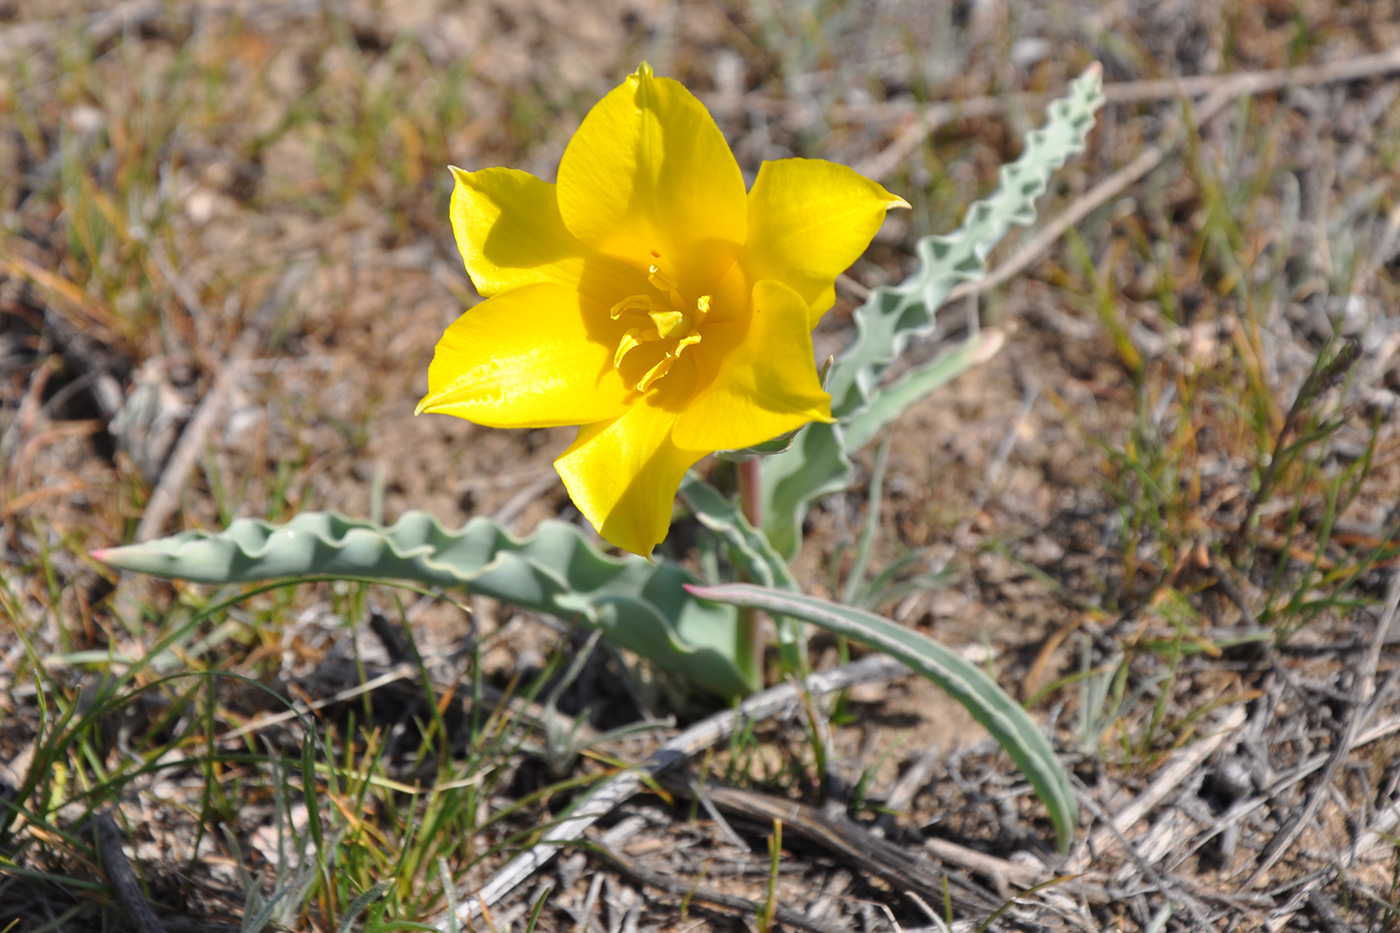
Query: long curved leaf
(818, 464)
(1003, 717)
(638, 605)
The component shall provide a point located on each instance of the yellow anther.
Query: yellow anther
(630, 341)
(664, 283)
(661, 281)
(662, 367)
(631, 303)
(676, 323)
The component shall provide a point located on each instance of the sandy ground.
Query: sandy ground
(295, 180)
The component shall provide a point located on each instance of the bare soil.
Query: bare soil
(303, 238)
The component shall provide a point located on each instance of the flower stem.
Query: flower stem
(751, 490)
(751, 643)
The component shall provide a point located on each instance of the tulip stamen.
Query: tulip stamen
(666, 285)
(660, 322)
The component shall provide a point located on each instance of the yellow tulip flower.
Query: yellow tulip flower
(649, 299)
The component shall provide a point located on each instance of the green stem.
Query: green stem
(751, 644)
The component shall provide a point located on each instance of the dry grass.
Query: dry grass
(1168, 503)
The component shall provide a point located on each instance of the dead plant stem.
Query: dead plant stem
(474, 901)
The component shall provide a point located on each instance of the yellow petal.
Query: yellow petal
(808, 220)
(763, 377)
(623, 475)
(650, 171)
(510, 234)
(536, 356)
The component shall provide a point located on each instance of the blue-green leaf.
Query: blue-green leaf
(638, 605)
(818, 462)
(1003, 717)
(750, 551)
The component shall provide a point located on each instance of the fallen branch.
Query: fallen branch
(741, 907)
(853, 843)
(1362, 691)
(697, 738)
(120, 875)
(1228, 86)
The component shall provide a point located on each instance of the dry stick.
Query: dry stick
(1167, 886)
(1238, 84)
(1180, 766)
(120, 875)
(1222, 91)
(166, 497)
(901, 794)
(619, 788)
(850, 841)
(742, 906)
(1361, 692)
(1002, 872)
(1094, 198)
(517, 503)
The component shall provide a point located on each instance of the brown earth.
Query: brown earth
(281, 211)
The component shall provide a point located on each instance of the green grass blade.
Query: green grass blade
(358, 905)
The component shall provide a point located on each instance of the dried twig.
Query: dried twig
(165, 499)
(166, 496)
(1362, 691)
(120, 875)
(1229, 86)
(850, 841)
(1178, 768)
(517, 503)
(741, 906)
(619, 788)
(901, 795)
(1093, 199)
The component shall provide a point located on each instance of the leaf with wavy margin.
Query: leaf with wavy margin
(818, 462)
(639, 606)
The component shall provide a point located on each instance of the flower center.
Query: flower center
(670, 324)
